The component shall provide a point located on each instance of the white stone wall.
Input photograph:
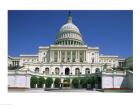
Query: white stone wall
(113, 61)
(19, 81)
(28, 59)
(62, 68)
(45, 58)
(116, 81)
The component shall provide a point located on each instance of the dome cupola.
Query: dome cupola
(69, 34)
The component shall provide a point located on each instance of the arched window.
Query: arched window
(97, 70)
(36, 70)
(46, 71)
(57, 71)
(87, 71)
(77, 71)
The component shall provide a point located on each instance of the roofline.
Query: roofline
(32, 55)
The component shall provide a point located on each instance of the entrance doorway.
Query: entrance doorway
(67, 71)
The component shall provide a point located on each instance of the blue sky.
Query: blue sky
(110, 30)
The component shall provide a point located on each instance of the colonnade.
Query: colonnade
(15, 63)
(69, 42)
(68, 55)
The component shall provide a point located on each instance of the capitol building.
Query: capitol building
(68, 57)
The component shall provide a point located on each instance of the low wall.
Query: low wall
(114, 80)
(19, 81)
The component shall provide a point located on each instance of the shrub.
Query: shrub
(33, 81)
(93, 82)
(83, 82)
(75, 82)
(41, 82)
(48, 82)
(57, 82)
(98, 82)
(90, 82)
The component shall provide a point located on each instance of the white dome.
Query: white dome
(69, 34)
(69, 27)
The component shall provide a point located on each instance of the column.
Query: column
(60, 56)
(65, 56)
(49, 56)
(13, 63)
(53, 55)
(85, 54)
(16, 63)
(71, 56)
(78, 55)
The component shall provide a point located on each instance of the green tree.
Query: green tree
(90, 82)
(93, 82)
(33, 81)
(48, 82)
(83, 82)
(57, 82)
(75, 82)
(41, 82)
(98, 82)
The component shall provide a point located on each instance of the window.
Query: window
(68, 59)
(87, 71)
(73, 60)
(46, 71)
(57, 71)
(81, 59)
(97, 70)
(77, 71)
(36, 70)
